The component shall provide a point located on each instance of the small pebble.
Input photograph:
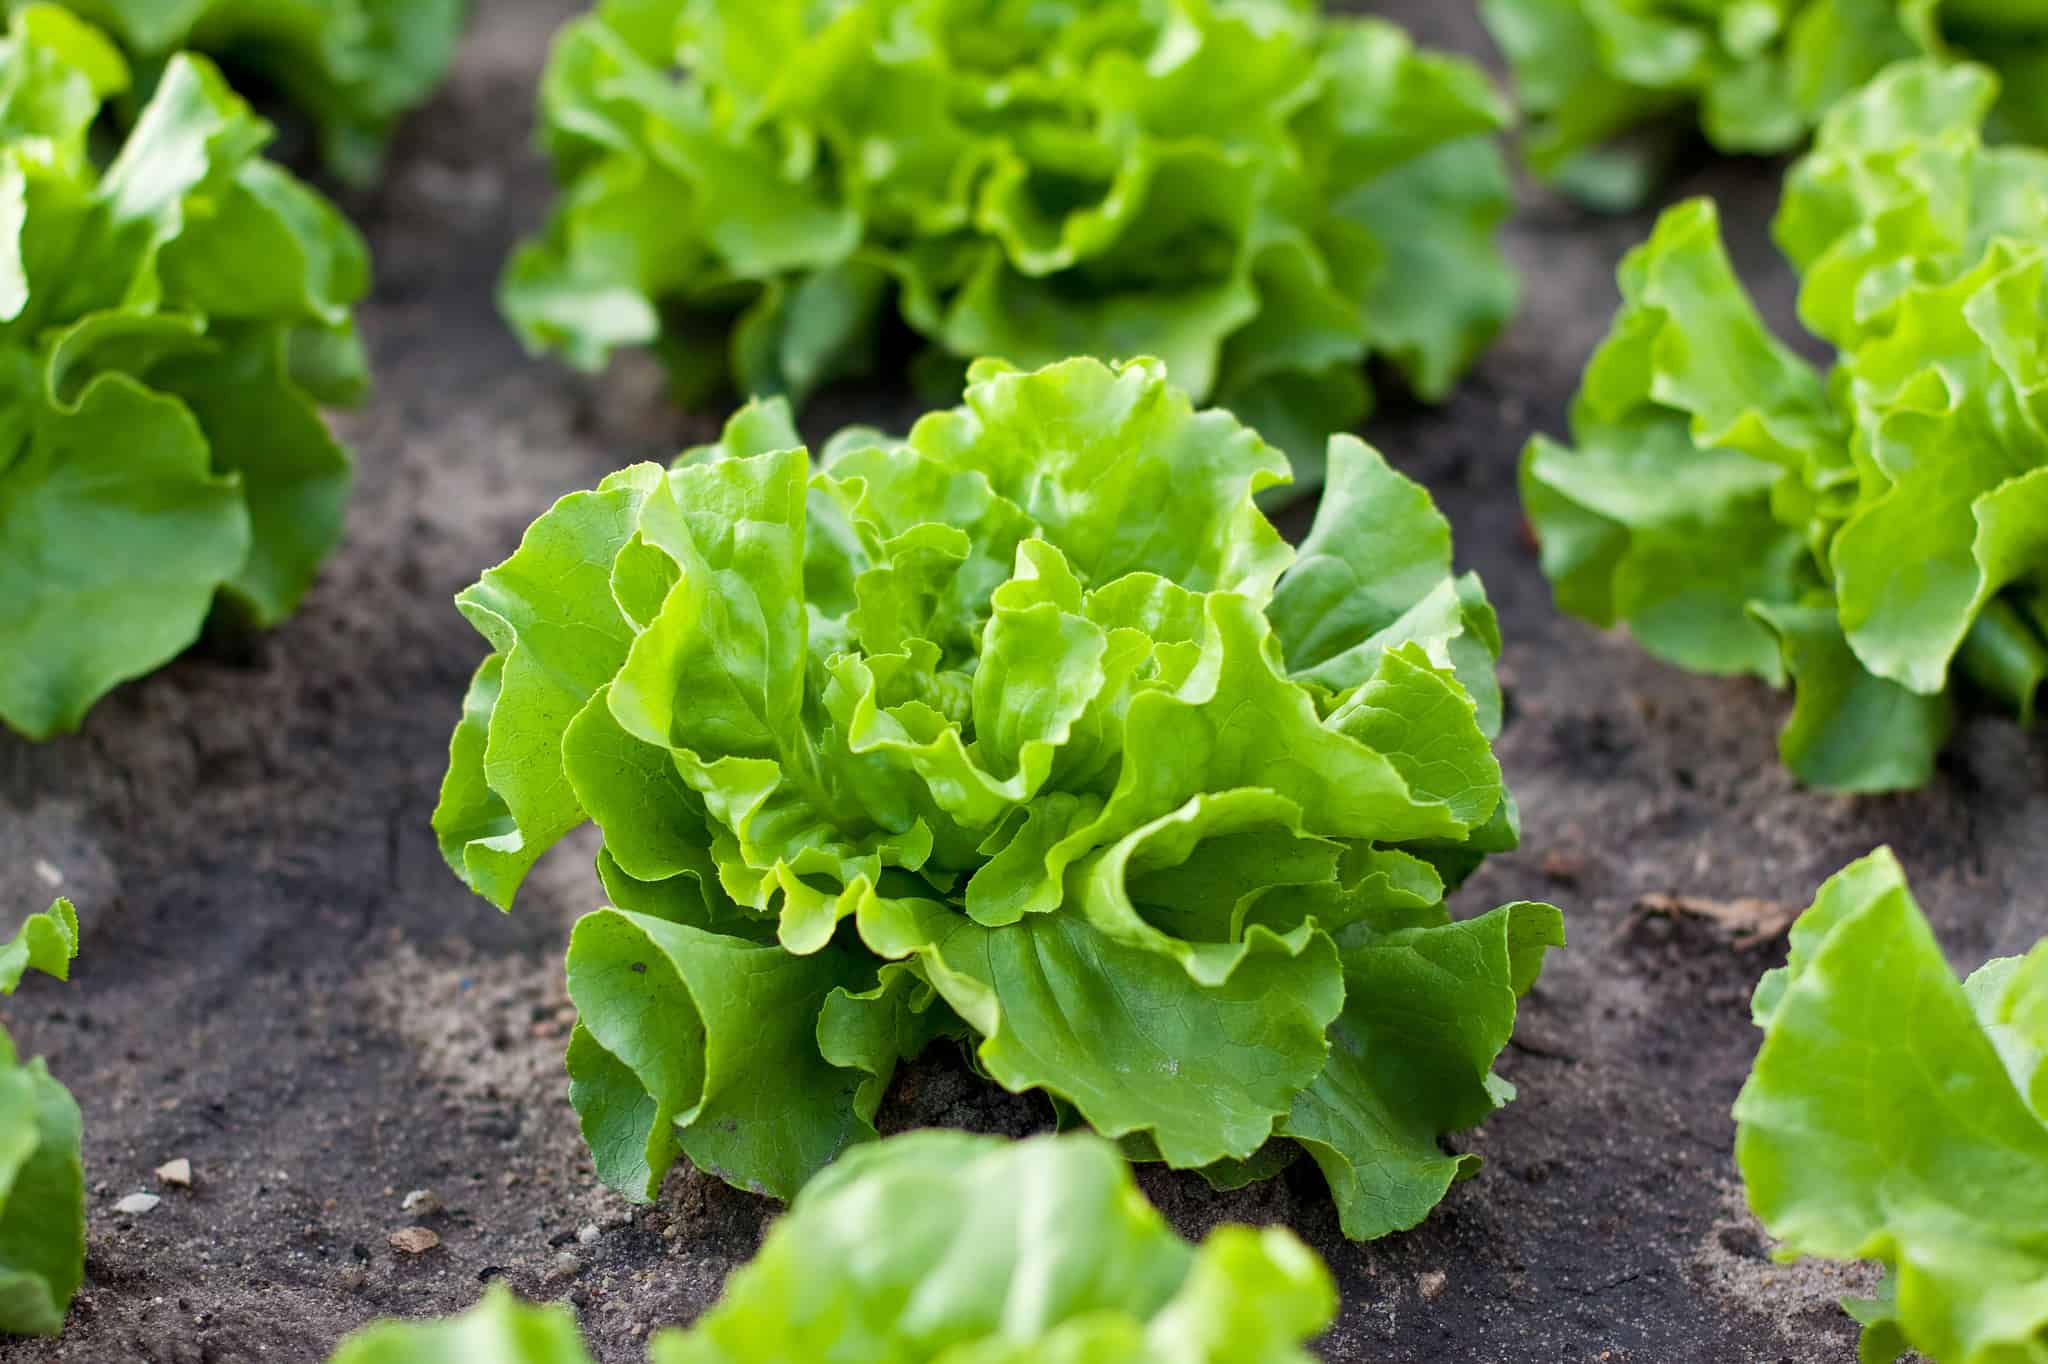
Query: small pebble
(563, 1266)
(136, 1204)
(413, 1240)
(587, 1234)
(177, 1173)
(421, 1203)
(1431, 1282)
(353, 1278)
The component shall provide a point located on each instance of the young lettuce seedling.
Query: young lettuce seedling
(42, 1176)
(1028, 729)
(1900, 1115)
(1878, 536)
(170, 323)
(1258, 194)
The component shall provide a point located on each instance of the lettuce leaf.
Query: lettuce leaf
(946, 1248)
(353, 66)
(1258, 195)
(1875, 535)
(42, 1176)
(1916, 1136)
(169, 324)
(1028, 729)
(940, 1246)
(1761, 73)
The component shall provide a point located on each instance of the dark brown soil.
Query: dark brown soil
(282, 984)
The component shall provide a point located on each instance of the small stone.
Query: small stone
(563, 1266)
(587, 1234)
(1430, 1283)
(413, 1240)
(353, 1278)
(48, 874)
(421, 1203)
(136, 1204)
(177, 1173)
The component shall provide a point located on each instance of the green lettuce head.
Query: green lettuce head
(169, 324)
(1762, 73)
(1897, 1114)
(1029, 729)
(1258, 195)
(353, 66)
(944, 1248)
(1876, 536)
(42, 1176)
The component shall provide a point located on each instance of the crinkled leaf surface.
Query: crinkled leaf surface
(42, 1178)
(1874, 535)
(1028, 729)
(1895, 1114)
(168, 324)
(1257, 194)
(1759, 74)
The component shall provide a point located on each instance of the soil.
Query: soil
(282, 984)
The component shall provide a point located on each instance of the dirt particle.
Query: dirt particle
(1564, 866)
(563, 1266)
(1748, 921)
(413, 1240)
(1430, 1283)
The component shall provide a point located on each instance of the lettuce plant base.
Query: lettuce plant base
(282, 983)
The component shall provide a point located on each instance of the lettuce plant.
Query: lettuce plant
(1762, 73)
(168, 324)
(1258, 195)
(1875, 535)
(1028, 728)
(1896, 1114)
(1010, 1252)
(42, 1177)
(354, 66)
(944, 1248)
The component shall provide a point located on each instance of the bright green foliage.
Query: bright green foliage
(42, 1177)
(498, 1330)
(1029, 728)
(168, 324)
(354, 66)
(1898, 1115)
(944, 1248)
(1870, 534)
(1254, 193)
(1762, 73)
